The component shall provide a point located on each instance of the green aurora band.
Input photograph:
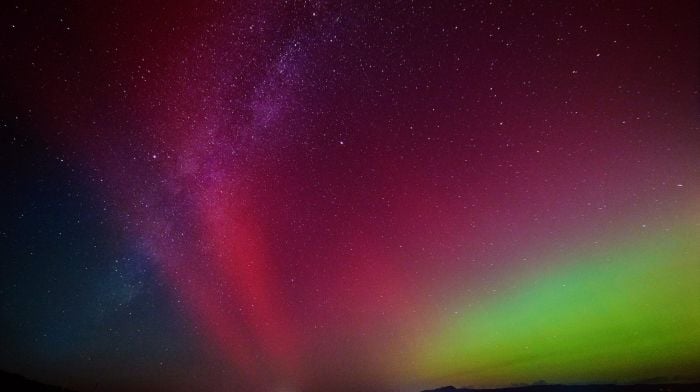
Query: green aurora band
(624, 313)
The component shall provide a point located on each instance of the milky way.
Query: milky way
(314, 196)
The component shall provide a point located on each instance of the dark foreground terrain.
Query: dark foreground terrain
(14, 382)
(583, 388)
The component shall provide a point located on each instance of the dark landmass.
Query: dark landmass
(14, 382)
(582, 388)
(11, 382)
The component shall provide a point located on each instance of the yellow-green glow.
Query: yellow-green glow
(624, 313)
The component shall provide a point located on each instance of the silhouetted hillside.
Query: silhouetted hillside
(582, 388)
(14, 382)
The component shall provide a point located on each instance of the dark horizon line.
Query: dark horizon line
(13, 381)
(660, 384)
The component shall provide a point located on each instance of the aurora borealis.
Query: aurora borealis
(349, 196)
(611, 314)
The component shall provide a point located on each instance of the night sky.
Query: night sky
(349, 196)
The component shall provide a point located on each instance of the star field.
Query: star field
(346, 196)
